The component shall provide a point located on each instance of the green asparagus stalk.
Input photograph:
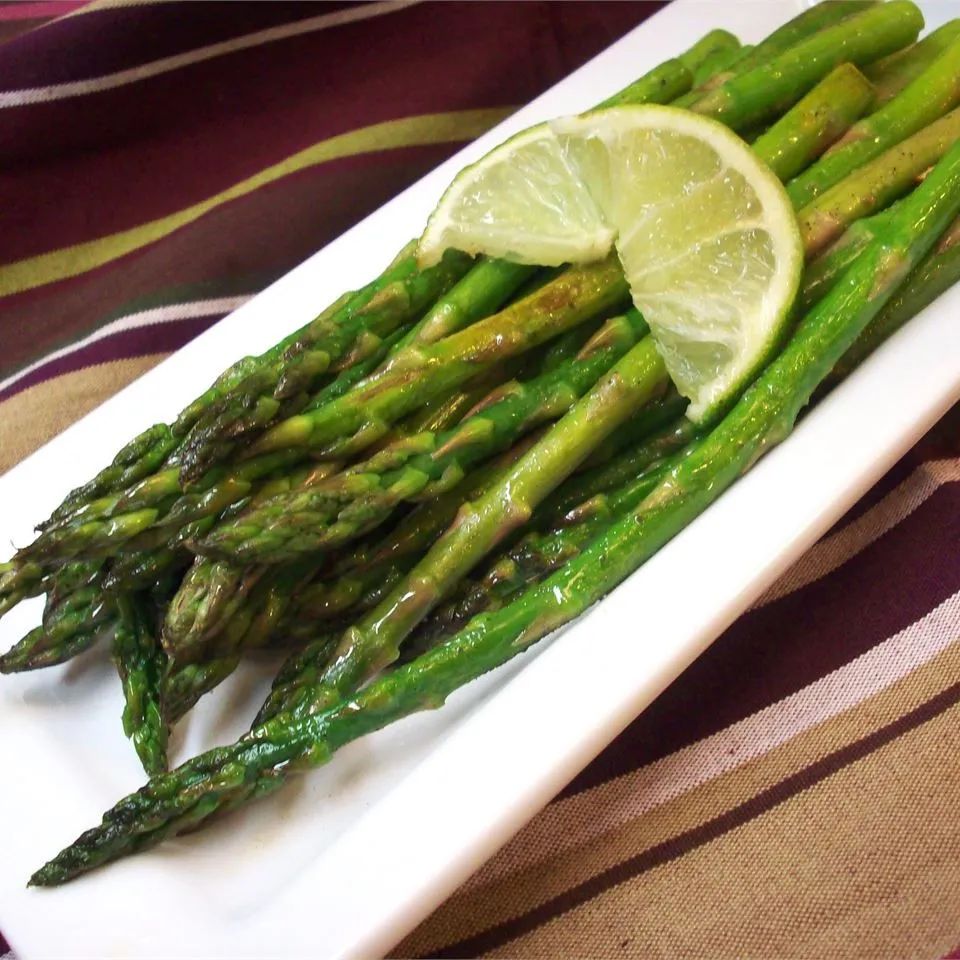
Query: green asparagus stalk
(527, 562)
(935, 92)
(140, 662)
(37, 649)
(74, 615)
(894, 73)
(422, 372)
(816, 122)
(704, 53)
(769, 89)
(344, 306)
(826, 269)
(276, 390)
(800, 28)
(481, 291)
(138, 459)
(876, 184)
(718, 62)
(182, 687)
(148, 451)
(340, 593)
(350, 504)
(540, 553)
(259, 762)
(939, 270)
(374, 641)
(664, 83)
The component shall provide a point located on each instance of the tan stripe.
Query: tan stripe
(143, 71)
(833, 551)
(861, 865)
(410, 131)
(32, 417)
(519, 890)
(573, 820)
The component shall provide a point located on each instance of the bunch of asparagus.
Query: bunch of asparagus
(451, 462)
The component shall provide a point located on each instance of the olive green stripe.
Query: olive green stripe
(422, 130)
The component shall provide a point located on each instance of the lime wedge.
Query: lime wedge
(705, 232)
(522, 202)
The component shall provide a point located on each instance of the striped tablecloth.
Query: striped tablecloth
(794, 793)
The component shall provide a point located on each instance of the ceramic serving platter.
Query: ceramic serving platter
(344, 862)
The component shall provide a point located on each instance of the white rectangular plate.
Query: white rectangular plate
(344, 862)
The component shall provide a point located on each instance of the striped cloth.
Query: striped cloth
(793, 793)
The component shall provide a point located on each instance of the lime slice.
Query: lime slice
(705, 232)
(523, 202)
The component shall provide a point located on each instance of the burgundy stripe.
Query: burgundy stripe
(44, 10)
(112, 39)
(15, 28)
(184, 136)
(269, 232)
(151, 338)
(4, 946)
(682, 844)
(777, 650)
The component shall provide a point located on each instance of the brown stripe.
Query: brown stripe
(31, 418)
(513, 883)
(712, 829)
(774, 651)
(270, 231)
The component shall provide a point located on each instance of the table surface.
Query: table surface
(793, 793)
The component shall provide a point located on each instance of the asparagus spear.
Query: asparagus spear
(664, 83)
(800, 28)
(146, 452)
(935, 92)
(374, 641)
(139, 458)
(139, 660)
(538, 554)
(826, 269)
(341, 508)
(876, 184)
(892, 74)
(770, 88)
(341, 592)
(422, 372)
(939, 270)
(712, 67)
(816, 122)
(275, 390)
(259, 762)
(74, 616)
(705, 52)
